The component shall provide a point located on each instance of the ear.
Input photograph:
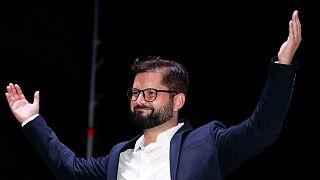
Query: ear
(178, 101)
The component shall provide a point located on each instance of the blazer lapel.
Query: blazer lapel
(113, 163)
(175, 146)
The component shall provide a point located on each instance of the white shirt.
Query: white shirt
(150, 162)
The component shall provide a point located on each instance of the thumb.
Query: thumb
(36, 98)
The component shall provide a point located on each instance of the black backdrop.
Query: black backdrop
(226, 46)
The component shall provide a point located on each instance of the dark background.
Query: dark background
(226, 47)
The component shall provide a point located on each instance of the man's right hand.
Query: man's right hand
(19, 105)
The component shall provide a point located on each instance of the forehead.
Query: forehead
(148, 80)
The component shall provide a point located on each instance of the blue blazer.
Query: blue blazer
(211, 151)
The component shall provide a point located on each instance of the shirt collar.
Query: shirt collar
(168, 134)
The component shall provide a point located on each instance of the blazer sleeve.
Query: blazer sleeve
(61, 160)
(238, 143)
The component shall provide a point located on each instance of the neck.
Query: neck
(150, 135)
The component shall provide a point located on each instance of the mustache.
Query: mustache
(142, 107)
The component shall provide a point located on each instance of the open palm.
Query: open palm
(288, 48)
(19, 105)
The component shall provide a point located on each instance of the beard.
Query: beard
(155, 118)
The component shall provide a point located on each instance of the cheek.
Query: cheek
(132, 105)
(160, 102)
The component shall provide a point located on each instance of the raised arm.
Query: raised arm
(245, 140)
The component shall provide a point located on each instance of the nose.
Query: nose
(140, 99)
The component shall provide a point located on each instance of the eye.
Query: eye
(151, 92)
(135, 92)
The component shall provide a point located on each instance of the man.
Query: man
(170, 148)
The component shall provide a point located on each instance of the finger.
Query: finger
(298, 24)
(9, 95)
(13, 91)
(16, 97)
(19, 92)
(291, 31)
(9, 90)
(9, 99)
(294, 23)
(36, 98)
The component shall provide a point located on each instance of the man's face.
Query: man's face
(146, 114)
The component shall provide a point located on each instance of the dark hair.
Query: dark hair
(175, 75)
